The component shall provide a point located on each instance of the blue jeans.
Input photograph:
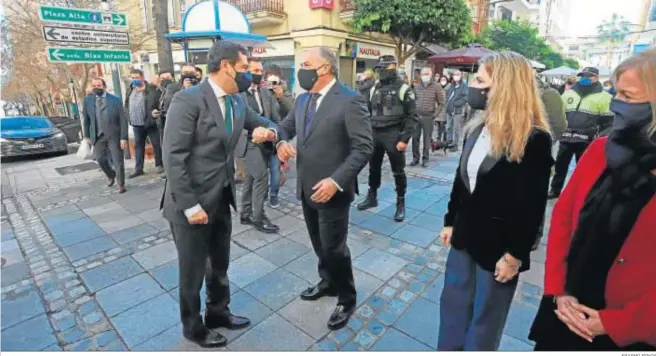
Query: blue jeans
(473, 306)
(274, 175)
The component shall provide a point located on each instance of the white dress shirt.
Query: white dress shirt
(323, 92)
(256, 94)
(476, 157)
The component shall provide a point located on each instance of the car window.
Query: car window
(58, 120)
(24, 123)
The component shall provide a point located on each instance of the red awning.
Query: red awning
(467, 55)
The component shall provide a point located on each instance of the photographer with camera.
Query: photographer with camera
(188, 75)
(278, 86)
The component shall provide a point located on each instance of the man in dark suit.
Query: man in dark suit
(335, 142)
(199, 146)
(257, 156)
(106, 126)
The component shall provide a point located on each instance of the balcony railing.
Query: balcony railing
(250, 6)
(347, 5)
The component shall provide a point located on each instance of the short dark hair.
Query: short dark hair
(169, 71)
(101, 80)
(199, 70)
(223, 51)
(274, 69)
(137, 71)
(186, 64)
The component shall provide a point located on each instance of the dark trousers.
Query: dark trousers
(328, 229)
(204, 253)
(565, 152)
(108, 153)
(424, 125)
(473, 306)
(140, 135)
(441, 131)
(385, 141)
(161, 122)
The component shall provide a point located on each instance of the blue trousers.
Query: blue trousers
(473, 306)
(274, 175)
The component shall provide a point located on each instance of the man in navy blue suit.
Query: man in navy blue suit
(200, 136)
(106, 127)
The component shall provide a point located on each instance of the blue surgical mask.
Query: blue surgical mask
(136, 82)
(585, 81)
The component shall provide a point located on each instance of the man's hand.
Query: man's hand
(124, 144)
(285, 151)
(401, 146)
(156, 113)
(324, 191)
(445, 235)
(200, 218)
(277, 89)
(261, 134)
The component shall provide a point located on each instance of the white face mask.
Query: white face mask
(425, 78)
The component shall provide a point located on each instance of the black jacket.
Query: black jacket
(505, 211)
(456, 99)
(167, 96)
(153, 95)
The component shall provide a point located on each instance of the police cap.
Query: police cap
(384, 61)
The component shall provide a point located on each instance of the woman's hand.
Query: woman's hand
(507, 268)
(591, 321)
(445, 235)
(567, 311)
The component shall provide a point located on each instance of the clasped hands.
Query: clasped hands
(262, 134)
(580, 319)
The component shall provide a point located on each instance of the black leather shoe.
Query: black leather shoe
(232, 322)
(371, 201)
(136, 174)
(340, 317)
(246, 220)
(424, 163)
(414, 162)
(399, 215)
(111, 182)
(316, 292)
(266, 226)
(209, 339)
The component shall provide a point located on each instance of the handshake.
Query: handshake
(262, 134)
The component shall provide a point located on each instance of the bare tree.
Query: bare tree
(161, 19)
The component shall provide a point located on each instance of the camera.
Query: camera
(272, 81)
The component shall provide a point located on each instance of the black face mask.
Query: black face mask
(257, 78)
(477, 98)
(630, 132)
(98, 91)
(166, 82)
(386, 75)
(307, 78)
(191, 77)
(243, 81)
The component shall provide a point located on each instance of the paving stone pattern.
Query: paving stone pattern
(86, 269)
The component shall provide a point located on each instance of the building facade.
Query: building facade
(291, 26)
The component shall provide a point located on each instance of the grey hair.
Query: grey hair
(329, 56)
(428, 68)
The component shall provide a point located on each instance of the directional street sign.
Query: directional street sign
(87, 55)
(76, 35)
(82, 16)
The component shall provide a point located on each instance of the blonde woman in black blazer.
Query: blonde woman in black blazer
(497, 203)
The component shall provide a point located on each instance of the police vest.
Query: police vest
(387, 104)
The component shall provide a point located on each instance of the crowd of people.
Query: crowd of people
(510, 129)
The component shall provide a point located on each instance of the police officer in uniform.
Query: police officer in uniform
(393, 118)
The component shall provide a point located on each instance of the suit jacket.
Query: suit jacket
(151, 101)
(505, 211)
(337, 145)
(630, 312)
(198, 151)
(116, 125)
(271, 109)
(167, 96)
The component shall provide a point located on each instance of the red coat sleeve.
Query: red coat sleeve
(635, 322)
(562, 223)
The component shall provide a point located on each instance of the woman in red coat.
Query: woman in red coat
(600, 277)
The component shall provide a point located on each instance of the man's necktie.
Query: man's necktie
(311, 110)
(228, 113)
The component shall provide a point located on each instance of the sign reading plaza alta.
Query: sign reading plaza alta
(81, 16)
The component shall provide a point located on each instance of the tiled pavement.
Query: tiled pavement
(86, 269)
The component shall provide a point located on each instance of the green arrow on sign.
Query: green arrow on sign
(81, 16)
(87, 55)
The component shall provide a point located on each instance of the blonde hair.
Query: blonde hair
(514, 106)
(645, 66)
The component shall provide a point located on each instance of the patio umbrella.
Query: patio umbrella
(559, 72)
(469, 55)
